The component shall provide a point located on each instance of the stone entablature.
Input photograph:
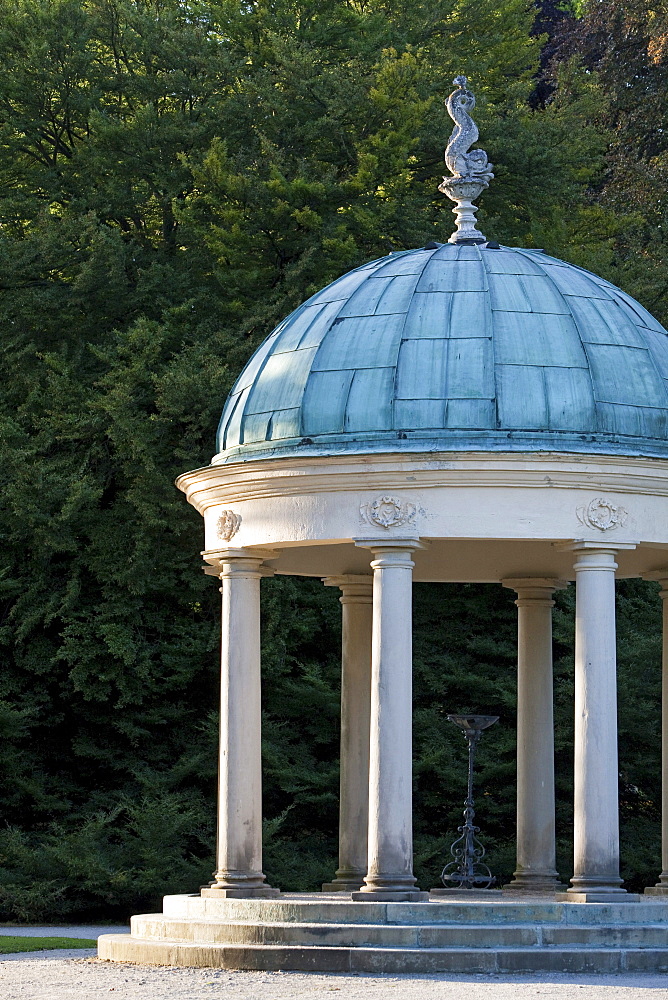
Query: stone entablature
(266, 478)
(312, 510)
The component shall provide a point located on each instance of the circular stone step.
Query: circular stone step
(305, 932)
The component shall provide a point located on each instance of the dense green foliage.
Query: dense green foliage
(624, 46)
(174, 178)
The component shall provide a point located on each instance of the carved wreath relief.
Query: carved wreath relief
(388, 512)
(227, 525)
(602, 514)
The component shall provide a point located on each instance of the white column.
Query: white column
(356, 599)
(661, 887)
(596, 813)
(536, 860)
(239, 849)
(390, 839)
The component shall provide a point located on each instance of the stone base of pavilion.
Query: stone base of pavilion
(332, 933)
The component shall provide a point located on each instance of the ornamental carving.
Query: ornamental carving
(471, 169)
(227, 525)
(602, 514)
(388, 512)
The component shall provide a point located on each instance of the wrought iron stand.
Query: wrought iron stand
(467, 870)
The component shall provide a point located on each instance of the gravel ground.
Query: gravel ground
(90, 979)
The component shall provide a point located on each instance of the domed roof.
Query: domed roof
(456, 348)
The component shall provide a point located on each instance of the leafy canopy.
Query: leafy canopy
(175, 177)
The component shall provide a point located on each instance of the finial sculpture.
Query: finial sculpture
(471, 171)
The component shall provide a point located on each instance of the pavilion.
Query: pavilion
(461, 412)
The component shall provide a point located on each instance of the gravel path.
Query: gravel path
(90, 979)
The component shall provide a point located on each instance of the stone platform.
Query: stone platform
(331, 933)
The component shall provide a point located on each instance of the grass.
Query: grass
(9, 944)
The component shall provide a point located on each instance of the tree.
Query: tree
(176, 176)
(622, 48)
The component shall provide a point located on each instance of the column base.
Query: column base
(661, 887)
(387, 896)
(457, 893)
(524, 882)
(346, 880)
(591, 896)
(220, 892)
(343, 886)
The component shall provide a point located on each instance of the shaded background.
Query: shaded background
(175, 177)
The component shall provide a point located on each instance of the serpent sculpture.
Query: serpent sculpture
(471, 171)
(459, 161)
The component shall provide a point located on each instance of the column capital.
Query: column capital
(594, 555)
(391, 551)
(355, 588)
(534, 589)
(391, 543)
(658, 576)
(580, 545)
(228, 562)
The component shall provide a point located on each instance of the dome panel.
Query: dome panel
(659, 347)
(360, 342)
(570, 403)
(369, 403)
(364, 300)
(456, 348)
(469, 372)
(470, 315)
(462, 414)
(538, 339)
(421, 369)
(308, 327)
(604, 321)
(521, 398)
(452, 276)
(325, 400)
(515, 263)
(638, 312)
(624, 375)
(404, 262)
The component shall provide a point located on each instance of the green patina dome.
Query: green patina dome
(456, 348)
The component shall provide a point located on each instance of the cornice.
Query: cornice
(271, 478)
